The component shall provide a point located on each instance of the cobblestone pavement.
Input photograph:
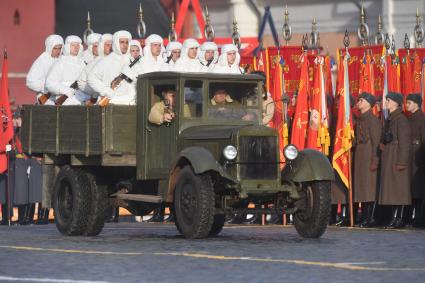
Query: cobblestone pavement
(135, 252)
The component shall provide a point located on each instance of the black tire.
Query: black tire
(194, 204)
(71, 201)
(312, 219)
(99, 207)
(218, 224)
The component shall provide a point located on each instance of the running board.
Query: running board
(138, 197)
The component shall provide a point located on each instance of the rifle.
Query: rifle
(118, 79)
(43, 98)
(169, 110)
(61, 99)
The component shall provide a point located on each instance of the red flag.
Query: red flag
(6, 131)
(300, 122)
(407, 76)
(417, 73)
(367, 77)
(344, 132)
(393, 73)
(313, 139)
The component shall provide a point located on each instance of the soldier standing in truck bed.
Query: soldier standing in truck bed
(366, 158)
(417, 124)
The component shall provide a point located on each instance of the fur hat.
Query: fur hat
(416, 98)
(396, 97)
(370, 98)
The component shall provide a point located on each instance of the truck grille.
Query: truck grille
(257, 157)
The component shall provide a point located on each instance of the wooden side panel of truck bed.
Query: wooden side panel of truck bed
(80, 130)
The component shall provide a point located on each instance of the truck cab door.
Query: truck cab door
(158, 143)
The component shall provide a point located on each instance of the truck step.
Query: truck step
(138, 197)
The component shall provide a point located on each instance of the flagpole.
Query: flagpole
(350, 190)
(8, 199)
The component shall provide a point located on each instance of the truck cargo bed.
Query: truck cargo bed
(82, 132)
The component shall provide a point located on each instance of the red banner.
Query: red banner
(417, 57)
(6, 130)
(355, 65)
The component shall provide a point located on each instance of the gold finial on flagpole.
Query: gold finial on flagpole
(418, 31)
(172, 35)
(363, 29)
(208, 30)
(236, 38)
(88, 30)
(287, 29)
(379, 37)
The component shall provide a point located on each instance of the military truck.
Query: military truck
(211, 160)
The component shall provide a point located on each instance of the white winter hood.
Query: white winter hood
(153, 38)
(92, 39)
(222, 60)
(206, 46)
(101, 46)
(188, 44)
(136, 43)
(67, 47)
(116, 42)
(51, 41)
(173, 45)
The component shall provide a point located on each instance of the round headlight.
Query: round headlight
(230, 152)
(290, 152)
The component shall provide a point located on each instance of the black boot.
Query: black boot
(365, 215)
(418, 214)
(371, 216)
(43, 217)
(30, 213)
(4, 220)
(400, 223)
(23, 214)
(236, 218)
(392, 223)
(170, 218)
(158, 214)
(342, 219)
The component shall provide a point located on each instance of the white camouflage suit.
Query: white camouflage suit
(37, 74)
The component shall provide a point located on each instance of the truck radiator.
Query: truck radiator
(258, 157)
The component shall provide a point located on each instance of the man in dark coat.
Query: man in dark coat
(417, 125)
(366, 159)
(396, 148)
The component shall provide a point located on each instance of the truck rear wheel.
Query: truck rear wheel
(311, 219)
(98, 208)
(71, 201)
(194, 204)
(218, 224)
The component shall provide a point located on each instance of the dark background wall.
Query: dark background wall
(108, 16)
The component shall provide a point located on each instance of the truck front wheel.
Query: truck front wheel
(194, 204)
(313, 213)
(71, 201)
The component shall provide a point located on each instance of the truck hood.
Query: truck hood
(224, 131)
(210, 132)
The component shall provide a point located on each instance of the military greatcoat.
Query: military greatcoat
(417, 125)
(395, 184)
(367, 138)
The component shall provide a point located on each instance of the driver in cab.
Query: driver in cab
(162, 112)
(221, 102)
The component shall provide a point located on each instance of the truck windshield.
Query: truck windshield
(234, 101)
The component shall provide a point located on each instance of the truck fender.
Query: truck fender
(201, 161)
(310, 165)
